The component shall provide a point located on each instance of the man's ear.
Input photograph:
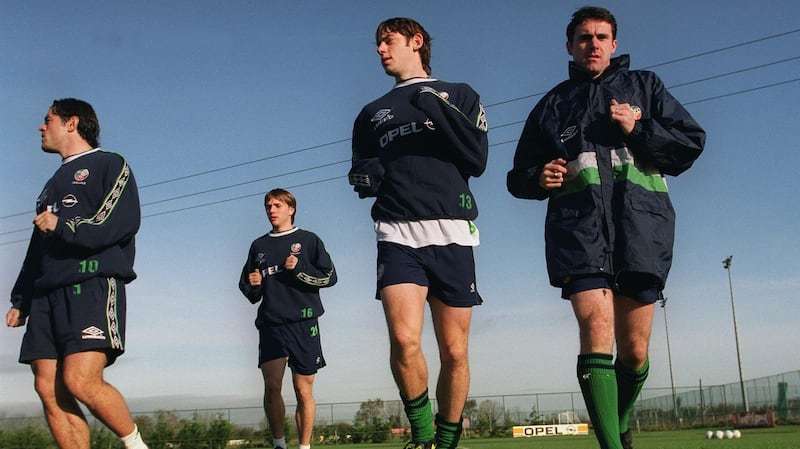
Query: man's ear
(569, 48)
(72, 123)
(416, 41)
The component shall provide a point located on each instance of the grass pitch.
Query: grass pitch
(782, 437)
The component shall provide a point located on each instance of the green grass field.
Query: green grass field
(782, 437)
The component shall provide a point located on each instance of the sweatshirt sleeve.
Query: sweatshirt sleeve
(466, 127)
(117, 218)
(317, 270)
(366, 172)
(22, 292)
(253, 294)
(669, 138)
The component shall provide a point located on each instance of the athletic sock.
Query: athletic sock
(629, 385)
(447, 433)
(279, 442)
(304, 446)
(598, 383)
(420, 416)
(134, 440)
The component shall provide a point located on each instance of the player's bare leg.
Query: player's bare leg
(306, 410)
(594, 310)
(404, 307)
(83, 377)
(64, 417)
(451, 325)
(274, 407)
(633, 324)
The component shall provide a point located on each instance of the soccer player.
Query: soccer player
(71, 288)
(414, 150)
(597, 146)
(285, 269)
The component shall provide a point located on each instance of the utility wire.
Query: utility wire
(313, 147)
(716, 97)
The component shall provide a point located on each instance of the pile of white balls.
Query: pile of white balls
(723, 434)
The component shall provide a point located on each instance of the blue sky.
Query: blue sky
(214, 103)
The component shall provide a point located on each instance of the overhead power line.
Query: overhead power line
(314, 147)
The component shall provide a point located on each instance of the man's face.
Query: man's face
(280, 214)
(592, 46)
(398, 55)
(54, 132)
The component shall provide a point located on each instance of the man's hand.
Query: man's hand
(291, 262)
(13, 318)
(623, 115)
(46, 221)
(255, 278)
(552, 177)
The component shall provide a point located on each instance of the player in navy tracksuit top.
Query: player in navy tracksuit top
(284, 271)
(597, 146)
(71, 288)
(414, 150)
(289, 295)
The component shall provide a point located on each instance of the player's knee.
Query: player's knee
(634, 356)
(405, 346)
(453, 355)
(45, 388)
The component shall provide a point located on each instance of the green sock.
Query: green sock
(447, 433)
(598, 383)
(629, 385)
(420, 416)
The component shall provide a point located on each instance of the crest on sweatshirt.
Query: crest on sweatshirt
(295, 248)
(81, 175)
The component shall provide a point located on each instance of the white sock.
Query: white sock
(305, 446)
(134, 440)
(279, 442)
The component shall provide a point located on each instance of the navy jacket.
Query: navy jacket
(613, 212)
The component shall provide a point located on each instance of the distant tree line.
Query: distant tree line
(376, 421)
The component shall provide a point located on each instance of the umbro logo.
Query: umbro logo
(382, 116)
(92, 333)
(569, 133)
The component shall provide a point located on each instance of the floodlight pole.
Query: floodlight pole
(669, 359)
(727, 264)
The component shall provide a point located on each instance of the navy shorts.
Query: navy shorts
(89, 316)
(639, 286)
(447, 271)
(299, 341)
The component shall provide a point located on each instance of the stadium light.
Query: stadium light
(727, 264)
(669, 359)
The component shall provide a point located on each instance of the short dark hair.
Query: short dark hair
(88, 125)
(282, 195)
(591, 12)
(408, 28)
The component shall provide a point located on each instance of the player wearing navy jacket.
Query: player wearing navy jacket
(597, 147)
(284, 271)
(414, 150)
(71, 288)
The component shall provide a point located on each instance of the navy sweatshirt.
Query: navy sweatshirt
(416, 147)
(287, 295)
(97, 204)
